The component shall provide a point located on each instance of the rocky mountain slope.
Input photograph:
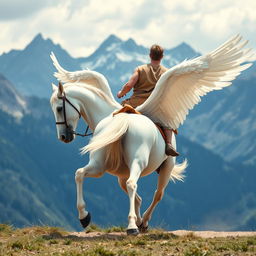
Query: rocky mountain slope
(11, 101)
(225, 122)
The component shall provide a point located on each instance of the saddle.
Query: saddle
(127, 109)
(130, 110)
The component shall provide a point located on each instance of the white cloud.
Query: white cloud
(146, 13)
(17, 9)
(81, 25)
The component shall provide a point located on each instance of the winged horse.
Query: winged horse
(130, 146)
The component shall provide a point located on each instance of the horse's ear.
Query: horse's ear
(60, 89)
(54, 87)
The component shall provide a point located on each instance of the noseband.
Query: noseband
(64, 100)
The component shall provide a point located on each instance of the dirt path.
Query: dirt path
(211, 234)
(203, 234)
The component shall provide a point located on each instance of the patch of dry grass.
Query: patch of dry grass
(55, 241)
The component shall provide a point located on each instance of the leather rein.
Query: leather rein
(64, 100)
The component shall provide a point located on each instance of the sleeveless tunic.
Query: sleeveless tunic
(148, 77)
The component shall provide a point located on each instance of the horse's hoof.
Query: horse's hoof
(132, 232)
(86, 220)
(143, 229)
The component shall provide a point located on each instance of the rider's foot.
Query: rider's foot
(170, 151)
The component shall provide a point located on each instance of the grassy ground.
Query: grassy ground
(54, 241)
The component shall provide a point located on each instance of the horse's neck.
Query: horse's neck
(93, 107)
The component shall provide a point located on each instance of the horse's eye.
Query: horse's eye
(59, 109)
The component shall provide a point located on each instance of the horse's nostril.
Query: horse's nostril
(63, 137)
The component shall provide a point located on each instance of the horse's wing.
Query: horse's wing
(180, 88)
(92, 78)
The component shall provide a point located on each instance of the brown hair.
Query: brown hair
(156, 52)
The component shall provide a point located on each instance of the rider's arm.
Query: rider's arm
(129, 85)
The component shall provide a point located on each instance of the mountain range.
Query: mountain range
(37, 171)
(227, 115)
(31, 69)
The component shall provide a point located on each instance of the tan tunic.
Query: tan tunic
(148, 77)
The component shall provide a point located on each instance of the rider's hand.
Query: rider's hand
(119, 94)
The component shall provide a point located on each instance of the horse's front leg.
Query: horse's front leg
(90, 170)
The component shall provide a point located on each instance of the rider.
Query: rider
(143, 82)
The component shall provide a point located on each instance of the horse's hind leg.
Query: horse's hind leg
(138, 200)
(163, 180)
(136, 167)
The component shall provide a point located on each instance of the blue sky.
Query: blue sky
(81, 25)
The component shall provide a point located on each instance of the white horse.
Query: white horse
(130, 146)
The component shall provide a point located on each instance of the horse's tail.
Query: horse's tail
(178, 170)
(112, 133)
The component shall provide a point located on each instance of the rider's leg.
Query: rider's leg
(169, 149)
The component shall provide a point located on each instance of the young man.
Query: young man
(143, 82)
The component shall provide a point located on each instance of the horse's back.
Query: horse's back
(143, 141)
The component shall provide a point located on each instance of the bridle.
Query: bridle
(64, 100)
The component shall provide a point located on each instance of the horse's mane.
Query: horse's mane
(100, 91)
(88, 79)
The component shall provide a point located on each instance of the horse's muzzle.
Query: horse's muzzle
(67, 135)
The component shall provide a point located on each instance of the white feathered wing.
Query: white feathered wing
(180, 88)
(89, 77)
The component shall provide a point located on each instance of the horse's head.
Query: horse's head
(67, 113)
